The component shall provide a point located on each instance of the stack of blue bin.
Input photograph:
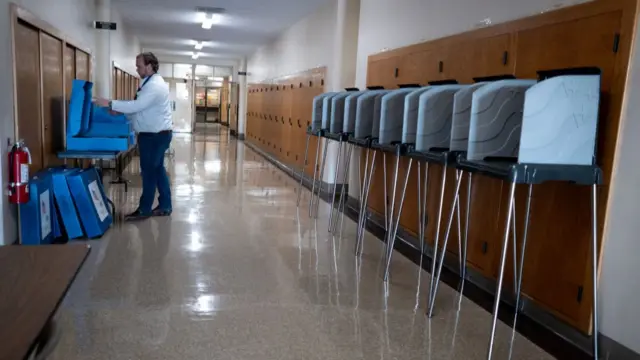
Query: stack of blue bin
(64, 202)
(92, 128)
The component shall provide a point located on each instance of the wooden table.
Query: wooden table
(33, 282)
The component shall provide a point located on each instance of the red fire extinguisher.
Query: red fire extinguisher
(19, 161)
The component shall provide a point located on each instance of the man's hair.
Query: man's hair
(150, 59)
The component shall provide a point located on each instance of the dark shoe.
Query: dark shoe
(157, 212)
(136, 216)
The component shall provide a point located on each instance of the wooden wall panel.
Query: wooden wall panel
(52, 99)
(28, 91)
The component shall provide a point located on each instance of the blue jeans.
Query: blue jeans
(152, 147)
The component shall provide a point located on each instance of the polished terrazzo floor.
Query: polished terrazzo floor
(238, 272)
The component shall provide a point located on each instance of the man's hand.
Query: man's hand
(101, 102)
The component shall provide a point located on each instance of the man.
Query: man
(150, 113)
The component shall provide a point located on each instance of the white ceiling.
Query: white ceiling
(169, 28)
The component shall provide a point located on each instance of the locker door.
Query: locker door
(69, 69)
(27, 57)
(114, 82)
(52, 98)
(82, 65)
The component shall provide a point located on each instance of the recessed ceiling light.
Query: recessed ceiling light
(199, 45)
(209, 16)
(195, 56)
(210, 20)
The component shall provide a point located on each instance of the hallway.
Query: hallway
(238, 272)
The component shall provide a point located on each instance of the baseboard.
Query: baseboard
(326, 189)
(535, 323)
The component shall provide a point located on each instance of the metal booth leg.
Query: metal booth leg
(335, 186)
(322, 165)
(389, 212)
(422, 208)
(463, 274)
(521, 270)
(387, 221)
(437, 240)
(306, 155)
(594, 245)
(363, 187)
(313, 186)
(454, 206)
(503, 260)
(394, 229)
(363, 225)
(343, 196)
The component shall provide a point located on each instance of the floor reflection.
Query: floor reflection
(238, 272)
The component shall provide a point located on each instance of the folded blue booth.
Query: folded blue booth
(38, 219)
(90, 200)
(92, 128)
(67, 208)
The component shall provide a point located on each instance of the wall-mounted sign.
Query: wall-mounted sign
(104, 25)
(242, 73)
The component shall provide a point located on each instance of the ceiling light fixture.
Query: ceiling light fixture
(195, 56)
(209, 16)
(210, 20)
(199, 45)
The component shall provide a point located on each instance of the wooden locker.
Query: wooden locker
(29, 91)
(83, 68)
(52, 98)
(69, 69)
(120, 88)
(114, 83)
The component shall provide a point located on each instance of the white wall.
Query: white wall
(305, 45)
(620, 285)
(124, 45)
(74, 19)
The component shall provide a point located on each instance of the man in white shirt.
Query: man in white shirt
(150, 114)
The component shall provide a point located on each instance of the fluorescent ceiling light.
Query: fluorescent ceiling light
(211, 19)
(199, 45)
(197, 78)
(195, 56)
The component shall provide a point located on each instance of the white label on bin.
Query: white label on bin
(45, 214)
(98, 202)
(24, 173)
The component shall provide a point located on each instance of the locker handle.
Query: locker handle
(299, 123)
(290, 124)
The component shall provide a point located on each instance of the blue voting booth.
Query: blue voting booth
(63, 201)
(92, 128)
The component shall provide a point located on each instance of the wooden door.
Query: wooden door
(69, 69)
(28, 91)
(114, 83)
(52, 98)
(120, 85)
(83, 68)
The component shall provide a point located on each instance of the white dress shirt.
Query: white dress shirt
(151, 111)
